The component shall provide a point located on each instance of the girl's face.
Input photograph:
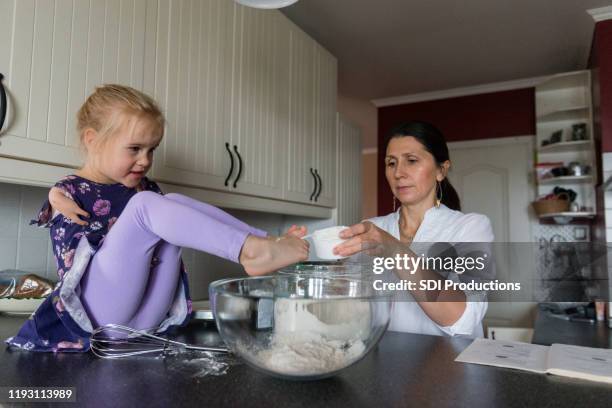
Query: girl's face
(411, 171)
(128, 155)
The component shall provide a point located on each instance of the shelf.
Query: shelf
(566, 180)
(565, 146)
(577, 113)
(569, 214)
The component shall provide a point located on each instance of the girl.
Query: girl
(123, 265)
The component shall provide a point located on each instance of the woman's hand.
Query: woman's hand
(366, 236)
(66, 206)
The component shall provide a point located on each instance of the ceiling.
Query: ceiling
(388, 48)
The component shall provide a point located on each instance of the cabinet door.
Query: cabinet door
(325, 125)
(300, 183)
(260, 107)
(53, 55)
(349, 172)
(195, 60)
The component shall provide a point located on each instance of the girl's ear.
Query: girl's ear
(89, 138)
(443, 170)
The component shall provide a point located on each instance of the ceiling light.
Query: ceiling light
(266, 4)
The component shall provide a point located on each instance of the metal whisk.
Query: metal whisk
(116, 341)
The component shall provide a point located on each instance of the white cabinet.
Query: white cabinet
(311, 148)
(222, 80)
(325, 126)
(53, 54)
(250, 99)
(301, 183)
(194, 57)
(348, 161)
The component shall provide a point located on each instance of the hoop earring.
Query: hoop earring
(438, 197)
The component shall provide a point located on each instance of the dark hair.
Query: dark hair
(433, 141)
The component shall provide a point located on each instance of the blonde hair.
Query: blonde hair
(108, 108)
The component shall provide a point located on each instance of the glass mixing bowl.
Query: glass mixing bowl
(299, 327)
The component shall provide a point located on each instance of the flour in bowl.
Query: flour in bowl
(314, 337)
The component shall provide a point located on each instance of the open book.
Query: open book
(587, 363)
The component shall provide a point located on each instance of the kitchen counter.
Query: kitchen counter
(405, 369)
(549, 330)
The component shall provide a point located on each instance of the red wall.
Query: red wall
(601, 64)
(484, 116)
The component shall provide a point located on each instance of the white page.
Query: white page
(581, 362)
(524, 356)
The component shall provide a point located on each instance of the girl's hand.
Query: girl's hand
(296, 231)
(66, 206)
(366, 236)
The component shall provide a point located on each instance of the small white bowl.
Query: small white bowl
(325, 240)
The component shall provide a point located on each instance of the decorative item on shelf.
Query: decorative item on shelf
(556, 136)
(571, 194)
(577, 169)
(544, 170)
(551, 203)
(579, 131)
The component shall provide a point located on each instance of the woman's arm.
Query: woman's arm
(444, 306)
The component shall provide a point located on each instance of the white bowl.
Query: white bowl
(325, 240)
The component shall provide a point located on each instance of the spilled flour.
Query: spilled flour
(315, 337)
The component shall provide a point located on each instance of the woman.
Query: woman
(416, 167)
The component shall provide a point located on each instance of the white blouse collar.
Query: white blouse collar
(427, 229)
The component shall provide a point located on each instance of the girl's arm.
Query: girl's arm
(66, 206)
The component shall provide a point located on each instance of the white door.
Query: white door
(494, 177)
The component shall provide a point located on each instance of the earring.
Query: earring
(393, 203)
(438, 197)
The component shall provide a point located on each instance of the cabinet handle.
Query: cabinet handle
(316, 184)
(227, 147)
(320, 185)
(3, 105)
(239, 165)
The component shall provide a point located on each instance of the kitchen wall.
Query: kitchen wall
(365, 115)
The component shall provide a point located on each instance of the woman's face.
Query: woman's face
(411, 171)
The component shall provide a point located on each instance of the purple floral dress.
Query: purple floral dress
(61, 323)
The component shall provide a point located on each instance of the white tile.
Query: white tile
(608, 218)
(32, 255)
(51, 265)
(606, 161)
(32, 201)
(609, 235)
(9, 210)
(608, 199)
(8, 253)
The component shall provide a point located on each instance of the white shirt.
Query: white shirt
(439, 225)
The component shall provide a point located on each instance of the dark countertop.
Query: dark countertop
(405, 369)
(549, 330)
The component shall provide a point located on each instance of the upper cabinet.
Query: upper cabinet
(311, 146)
(53, 55)
(249, 98)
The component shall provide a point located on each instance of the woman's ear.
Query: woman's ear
(443, 170)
